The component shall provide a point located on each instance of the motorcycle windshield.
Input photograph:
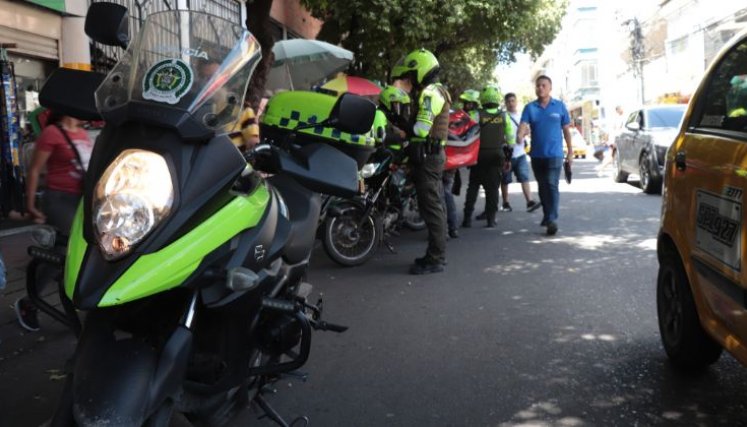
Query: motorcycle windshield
(192, 61)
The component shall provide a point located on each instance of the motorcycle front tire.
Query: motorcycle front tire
(363, 251)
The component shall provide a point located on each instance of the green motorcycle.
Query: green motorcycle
(187, 263)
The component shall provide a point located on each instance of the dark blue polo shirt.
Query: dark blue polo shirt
(547, 127)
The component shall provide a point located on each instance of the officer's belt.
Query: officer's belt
(428, 140)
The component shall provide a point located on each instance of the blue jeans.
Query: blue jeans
(520, 168)
(448, 199)
(547, 173)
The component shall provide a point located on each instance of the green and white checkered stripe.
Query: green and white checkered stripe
(296, 119)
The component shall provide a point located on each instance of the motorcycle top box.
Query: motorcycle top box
(287, 111)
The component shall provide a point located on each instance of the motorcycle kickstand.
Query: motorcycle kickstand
(390, 246)
(296, 375)
(273, 415)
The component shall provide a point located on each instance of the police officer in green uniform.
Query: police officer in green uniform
(394, 103)
(417, 73)
(494, 127)
(471, 103)
(378, 131)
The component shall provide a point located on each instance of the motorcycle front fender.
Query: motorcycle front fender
(121, 382)
(343, 207)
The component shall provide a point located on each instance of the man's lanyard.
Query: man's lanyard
(517, 125)
(513, 120)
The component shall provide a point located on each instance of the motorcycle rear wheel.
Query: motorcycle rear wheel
(349, 244)
(411, 215)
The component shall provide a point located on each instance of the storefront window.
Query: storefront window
(30, 76)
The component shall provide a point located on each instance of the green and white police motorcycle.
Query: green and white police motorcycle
(187, 264)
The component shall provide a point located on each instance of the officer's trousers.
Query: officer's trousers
(429, 187)
(487, 172)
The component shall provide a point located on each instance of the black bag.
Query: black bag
(456, 188)
(416, 152)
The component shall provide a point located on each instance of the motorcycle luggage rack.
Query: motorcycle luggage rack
(68, 317)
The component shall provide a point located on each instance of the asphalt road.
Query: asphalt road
(521, 330)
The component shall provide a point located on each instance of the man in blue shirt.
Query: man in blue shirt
(549, 123)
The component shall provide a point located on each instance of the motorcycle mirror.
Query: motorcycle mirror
(241, 279)
(352, 114)
(70, 92)
(108, 23)
(634, 126)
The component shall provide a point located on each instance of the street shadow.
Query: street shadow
(628, 384)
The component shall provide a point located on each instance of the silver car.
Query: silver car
(643, 144)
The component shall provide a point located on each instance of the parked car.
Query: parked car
(702, 281)
(643, 144)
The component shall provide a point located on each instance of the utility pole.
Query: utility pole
(637, 50)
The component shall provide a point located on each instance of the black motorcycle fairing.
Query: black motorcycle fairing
(200, 172)
(321, 168)
(303, 208)
(105, 366)
(183, 123)
(250, 249)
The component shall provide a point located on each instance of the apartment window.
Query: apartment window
(679, 45)
(589, 74)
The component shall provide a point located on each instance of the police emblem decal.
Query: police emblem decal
(167, 81)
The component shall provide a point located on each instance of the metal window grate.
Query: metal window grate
(103, 58)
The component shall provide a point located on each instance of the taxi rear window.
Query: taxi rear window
(725, 98)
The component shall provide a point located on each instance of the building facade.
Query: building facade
(291, 20)
(634, 53)
(573, 61)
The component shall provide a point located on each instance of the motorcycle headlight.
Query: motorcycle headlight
(368, 170)
(134, 194)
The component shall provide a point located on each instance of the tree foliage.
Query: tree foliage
(469, 37)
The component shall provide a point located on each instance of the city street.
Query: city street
(521, 330)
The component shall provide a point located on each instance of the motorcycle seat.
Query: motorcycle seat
(303, 211)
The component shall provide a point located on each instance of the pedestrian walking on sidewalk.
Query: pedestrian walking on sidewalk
(63, 148)
(519, 163)
(549, 123)
(616, 128)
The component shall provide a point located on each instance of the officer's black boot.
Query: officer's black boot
(467, 221)
(491, 220)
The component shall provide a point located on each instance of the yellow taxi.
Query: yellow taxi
(702, 280)
(578, 143)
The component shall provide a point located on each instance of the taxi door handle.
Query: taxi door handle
(680, 161)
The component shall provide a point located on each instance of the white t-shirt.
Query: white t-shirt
(618, 125)
(518, 147)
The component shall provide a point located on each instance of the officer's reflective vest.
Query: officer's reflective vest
(432, 117)
(494, 128)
